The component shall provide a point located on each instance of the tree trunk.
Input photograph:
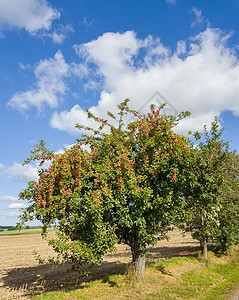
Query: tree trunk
(204, 248)
(137, 267)
(203, 241)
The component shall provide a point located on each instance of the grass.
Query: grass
(184, 277)
(23, 231)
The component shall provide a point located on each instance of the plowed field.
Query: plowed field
(21, 276)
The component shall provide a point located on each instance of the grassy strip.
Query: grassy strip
(202, 284)
(23, 231)
(185, 277)
(229, 283)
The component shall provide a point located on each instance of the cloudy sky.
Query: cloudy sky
(59, 58)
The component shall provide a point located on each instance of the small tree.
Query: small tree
(228, 234)
(202, 202)
(125, 189)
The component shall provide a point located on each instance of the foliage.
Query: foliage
(126, 188)
(228, 234)
(202, 202)
(12, 228)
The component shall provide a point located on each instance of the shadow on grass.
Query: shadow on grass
(42, 278)
(156, 253)
(35, 280)
(109, 281)
(162, 269)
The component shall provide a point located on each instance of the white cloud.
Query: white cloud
(21, 173)
(87, 22)
(171, 1)
(1, 166)
(67, 120)
(201, 76)
(58, 38)
(50, 85)
(30, 15)
(17, 205)
(195, 123)
(111, 53)
(79, 70)
(13, 214)
(198, 16)
(62, 150)
(59, 35)
(7, 198)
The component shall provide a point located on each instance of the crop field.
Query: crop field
(21, 276)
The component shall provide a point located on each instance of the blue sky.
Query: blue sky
(59, 58)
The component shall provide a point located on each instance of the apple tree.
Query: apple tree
(126, 188)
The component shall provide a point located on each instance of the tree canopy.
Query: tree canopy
(209, 163)
(129, 183)
(126, 187)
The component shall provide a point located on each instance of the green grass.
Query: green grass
(191, 285)
(185, 277)
(230, 282)
(210, 281)
(23, 231)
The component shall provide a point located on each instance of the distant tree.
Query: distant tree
(126, 188)
(12, 228)
(202, 196)
(228, 234)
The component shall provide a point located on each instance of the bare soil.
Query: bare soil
(22, 277)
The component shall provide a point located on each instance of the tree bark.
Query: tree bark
(204, 241)
(203, 245)
(137, 267)
(205, 248)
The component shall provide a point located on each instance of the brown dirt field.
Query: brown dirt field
(21, 276)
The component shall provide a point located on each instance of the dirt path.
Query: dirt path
(21, 273)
